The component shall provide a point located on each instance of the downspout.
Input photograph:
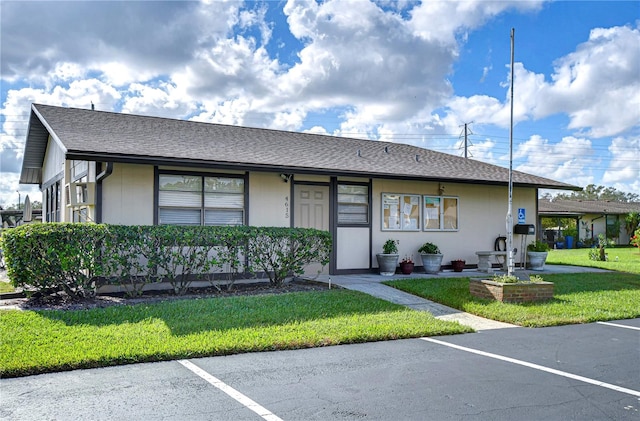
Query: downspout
(99, 178)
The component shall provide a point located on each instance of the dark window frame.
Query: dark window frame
(202, 208)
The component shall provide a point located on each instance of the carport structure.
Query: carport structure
(593, 217)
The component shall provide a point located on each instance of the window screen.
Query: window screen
(353, 204)
(197, 200)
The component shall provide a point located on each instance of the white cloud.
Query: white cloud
(12, 192)
(442, 21)
(624, 166)
(232, 111)
(383, 67)
(161, 100)
(289, 120)
(568, 160)
(598, 85)
(481, 109)
(249, 18)
(366, 58)
(17, 106)
(484, 151)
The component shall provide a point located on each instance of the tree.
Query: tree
(593, 192)
(548, 222)
(632, 222)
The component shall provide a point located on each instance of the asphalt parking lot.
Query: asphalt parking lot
(576, 372)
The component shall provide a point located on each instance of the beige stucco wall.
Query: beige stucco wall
(127, 195)
(482, 218)
(312, 178)
(269, 200)
(128, 199)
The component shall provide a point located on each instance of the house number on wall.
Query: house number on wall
(286, 207)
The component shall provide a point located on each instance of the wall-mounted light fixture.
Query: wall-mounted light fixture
(440, 189)
(286, 177)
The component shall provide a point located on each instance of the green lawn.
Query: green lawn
(625, 259)
(6, 287)
(45, 341)
(578, 298)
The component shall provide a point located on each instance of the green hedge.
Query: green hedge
(51, 257)
(80, 258)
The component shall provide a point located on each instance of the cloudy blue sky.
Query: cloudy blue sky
(403, 71)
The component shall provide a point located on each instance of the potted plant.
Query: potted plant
(431, 257)
(407, 265)
(458, 265)
(388, 259)
(537, 254)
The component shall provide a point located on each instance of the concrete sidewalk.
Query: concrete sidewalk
(372, 284)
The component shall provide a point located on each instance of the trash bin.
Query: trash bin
(569, 240)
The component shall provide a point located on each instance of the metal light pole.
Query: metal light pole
(510, 208)
(19, 199)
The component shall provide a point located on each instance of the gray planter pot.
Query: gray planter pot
(387, 263)
(431, 262)
(537, 259)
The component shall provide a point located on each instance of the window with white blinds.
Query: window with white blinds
(353, 204)
(200, 200)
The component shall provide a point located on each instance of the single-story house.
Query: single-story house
(592, 217)
(130, 169)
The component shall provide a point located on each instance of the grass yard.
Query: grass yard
(46, 341)
(578, 298)
(628, 259)
(6, 287)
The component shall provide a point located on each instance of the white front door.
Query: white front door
(311, 207)
(311, 210)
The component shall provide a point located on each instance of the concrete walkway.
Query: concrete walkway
(372, 284)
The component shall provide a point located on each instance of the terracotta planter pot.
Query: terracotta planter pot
(458, 265)
(406, 268)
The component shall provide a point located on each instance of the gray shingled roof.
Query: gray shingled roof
(106, 136)
(582, 207)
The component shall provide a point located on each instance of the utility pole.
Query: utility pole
(510, 207)
(466, 139)
(467, 132)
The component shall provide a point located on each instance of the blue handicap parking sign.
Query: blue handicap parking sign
(521, 215)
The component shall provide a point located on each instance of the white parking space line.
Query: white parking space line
(618, 325)
(244, 400)
(537, 367)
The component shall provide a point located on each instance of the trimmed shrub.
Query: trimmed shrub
(55, 256)
(283, 252)
(79, 258)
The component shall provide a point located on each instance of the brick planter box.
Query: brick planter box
(519, 292)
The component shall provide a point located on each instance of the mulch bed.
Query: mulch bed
(61, 301)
